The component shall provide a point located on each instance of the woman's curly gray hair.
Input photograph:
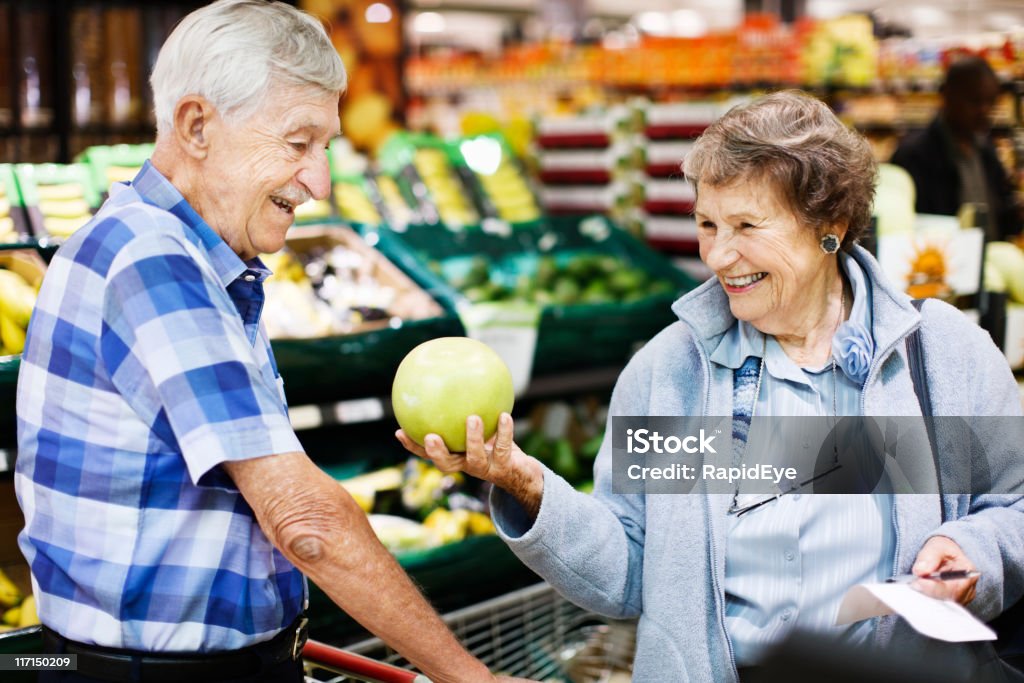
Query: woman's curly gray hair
(823, 170)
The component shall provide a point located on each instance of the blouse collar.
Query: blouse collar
(852, 346)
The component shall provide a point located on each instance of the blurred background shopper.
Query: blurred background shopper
(953, 161)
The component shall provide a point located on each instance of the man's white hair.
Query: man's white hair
(232, 52)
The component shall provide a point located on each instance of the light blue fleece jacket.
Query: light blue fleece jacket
(662, 557)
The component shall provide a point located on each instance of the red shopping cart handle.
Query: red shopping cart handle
(357, 665)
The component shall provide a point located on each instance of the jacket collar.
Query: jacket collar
(705, 310)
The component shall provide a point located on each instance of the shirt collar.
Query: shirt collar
(156, 190)
(744, 340)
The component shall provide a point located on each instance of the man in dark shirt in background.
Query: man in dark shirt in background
(953, 161)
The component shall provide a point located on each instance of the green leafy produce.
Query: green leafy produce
(584, 278)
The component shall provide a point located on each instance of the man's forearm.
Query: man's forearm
(321, 530)
(362, 577)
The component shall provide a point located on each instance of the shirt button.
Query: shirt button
(250, 278)
(789, 556)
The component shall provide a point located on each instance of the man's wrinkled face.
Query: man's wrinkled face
(259, 169)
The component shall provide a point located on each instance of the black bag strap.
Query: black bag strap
(915, 358)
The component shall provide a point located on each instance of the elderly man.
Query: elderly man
(169, 507)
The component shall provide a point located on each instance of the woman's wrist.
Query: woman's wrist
(525, 483)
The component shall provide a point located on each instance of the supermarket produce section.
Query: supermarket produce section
(349, 299)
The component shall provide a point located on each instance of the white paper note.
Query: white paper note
(940, 619)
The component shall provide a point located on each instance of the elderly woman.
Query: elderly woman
(798, 320)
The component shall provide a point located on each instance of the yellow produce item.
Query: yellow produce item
(12, 335)
(118, 174)
(10, 595)
(64, 227)
(29, 617)
(449, 525)
(5, 207)
(64, 191)
(480, 524)
(313, 209)
(12, 617)
(354, 205)
(400, 534)
(17, 298)
(65, 208)
(1008, 260)
(7, 233)
(387, 479)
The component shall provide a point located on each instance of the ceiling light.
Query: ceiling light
(428, 22)
(378, 13)
(655, 23)
(688, 23)
(827, 9)
(929, 17)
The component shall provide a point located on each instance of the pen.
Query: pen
(952, 575)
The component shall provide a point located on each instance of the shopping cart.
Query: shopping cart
(532, 633)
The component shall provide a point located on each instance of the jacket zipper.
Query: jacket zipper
(719, 596)
(711, 537)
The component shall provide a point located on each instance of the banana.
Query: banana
(29, 617)
(17, 298)
(118, 174)
(7, 233)
(59, 192)
(65, 208)
(12, 335)
(12, 617)
(64, 227)
(10, 595)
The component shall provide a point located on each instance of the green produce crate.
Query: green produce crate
(113, 163)
(76, 179)
(353, 366)
(571, 336)
(9, 366)
(362, 364)
(14, 213)
(23, 641)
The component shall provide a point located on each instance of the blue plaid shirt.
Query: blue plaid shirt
(146, 367)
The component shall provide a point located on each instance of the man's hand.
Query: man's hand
(941, 554)
(499, 460)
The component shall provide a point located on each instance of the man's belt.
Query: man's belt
(123, 666)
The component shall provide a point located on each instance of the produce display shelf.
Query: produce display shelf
(570, 336)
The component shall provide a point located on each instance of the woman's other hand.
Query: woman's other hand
(940, 554)
(498, 460)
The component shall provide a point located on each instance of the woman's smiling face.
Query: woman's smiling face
(768, 262)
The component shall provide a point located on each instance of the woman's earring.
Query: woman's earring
(830, 243)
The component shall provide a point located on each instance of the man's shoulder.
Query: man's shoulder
(121, 228)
